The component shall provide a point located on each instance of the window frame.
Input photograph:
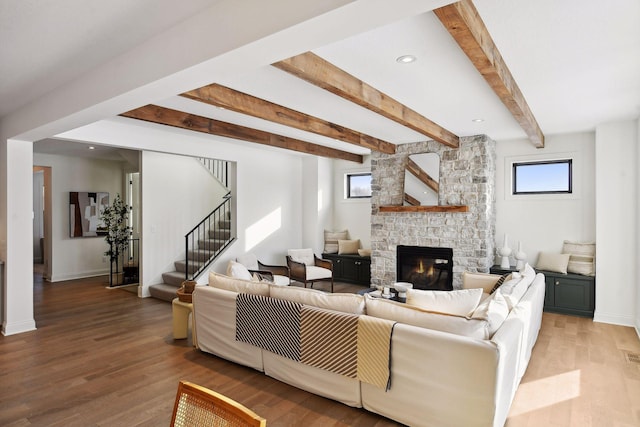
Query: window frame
(515, 165)
(348, 177)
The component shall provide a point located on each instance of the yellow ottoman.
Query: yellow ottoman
(181, 311)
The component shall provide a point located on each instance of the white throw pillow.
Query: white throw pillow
(551, 261)
(494, 310)
(305, 256)
(233, 284)
(460, 302)
(237, 270)
(415, 316)
(346, 303)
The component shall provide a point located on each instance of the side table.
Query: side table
(181, 312)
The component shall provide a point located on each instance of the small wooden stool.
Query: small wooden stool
(181, 311)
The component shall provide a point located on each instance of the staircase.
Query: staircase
(208, 247)
(203, 243)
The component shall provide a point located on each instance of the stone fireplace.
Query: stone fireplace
(467, 177)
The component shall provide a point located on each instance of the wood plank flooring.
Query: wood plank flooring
(104, 357)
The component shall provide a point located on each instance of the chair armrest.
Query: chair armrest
(280, 270)
(296, 269)
(325, 263)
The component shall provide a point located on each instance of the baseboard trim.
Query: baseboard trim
(13, 328)
(73, 276)
(614, 319)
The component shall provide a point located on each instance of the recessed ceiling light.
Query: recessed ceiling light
(477, 120)
(92, 147)
(406, 59)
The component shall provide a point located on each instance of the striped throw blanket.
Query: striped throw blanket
(346, 344)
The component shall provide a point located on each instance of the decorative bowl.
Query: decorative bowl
(402, 288)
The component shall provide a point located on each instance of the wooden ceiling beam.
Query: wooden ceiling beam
(463, 22)
(240, 102)
(319, 72)
(180, 119)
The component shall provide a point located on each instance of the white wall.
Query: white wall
(268, 185)
(638, 229)
(543, 222)
(351, 214)
(617, 223)
(177, 193)
(77, 257)
(317, 198)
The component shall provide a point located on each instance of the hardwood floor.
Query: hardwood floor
(103, 357)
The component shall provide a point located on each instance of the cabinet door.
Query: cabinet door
(573, 294)
(337, 266)
(350, 269)
(549, 292)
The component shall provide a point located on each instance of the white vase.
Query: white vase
(504, 252)
(521, 257)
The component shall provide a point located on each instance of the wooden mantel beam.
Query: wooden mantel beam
(240, 102)
(317, 71)
(180, 119)
(463, 22)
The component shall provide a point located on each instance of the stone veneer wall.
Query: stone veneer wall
(467, 177)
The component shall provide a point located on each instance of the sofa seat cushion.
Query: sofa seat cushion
(411, 315)
(233, 284)
(317, 273)
(343, 302)
(460, 302)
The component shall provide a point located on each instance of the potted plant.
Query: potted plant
(114, 218)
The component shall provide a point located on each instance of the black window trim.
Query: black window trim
(515, 165)
(349, 175)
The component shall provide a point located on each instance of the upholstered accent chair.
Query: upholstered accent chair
(278, 274)
(306, 267)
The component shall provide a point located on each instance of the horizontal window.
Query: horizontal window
(542, 177)
(358, 185)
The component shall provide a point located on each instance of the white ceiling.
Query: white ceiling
(577, 62)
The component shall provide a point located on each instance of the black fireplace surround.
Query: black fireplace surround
(425, 267)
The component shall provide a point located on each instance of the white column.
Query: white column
(616, 221)
(18, 284)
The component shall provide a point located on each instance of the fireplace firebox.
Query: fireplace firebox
(425, 267)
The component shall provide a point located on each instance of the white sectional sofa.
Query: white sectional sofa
(445, 369)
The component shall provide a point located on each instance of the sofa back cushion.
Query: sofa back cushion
(345, 303)
(411, 315)
(514, 288)
(234, 284)
(494, 310)
(460, 302)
